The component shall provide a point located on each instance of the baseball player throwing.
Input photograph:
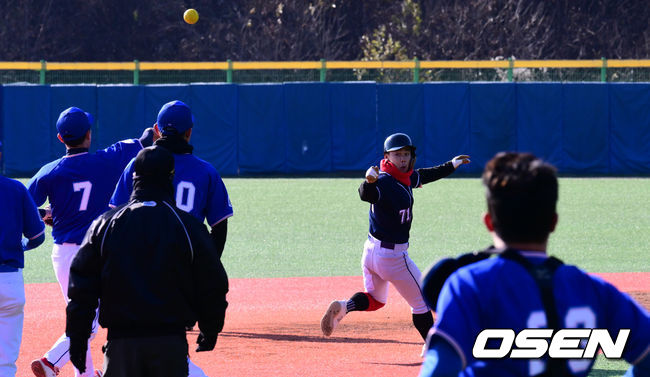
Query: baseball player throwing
(78, 186)
(385, 259)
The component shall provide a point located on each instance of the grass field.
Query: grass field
(316, 227)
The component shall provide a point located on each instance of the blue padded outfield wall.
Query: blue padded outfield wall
(582, 128)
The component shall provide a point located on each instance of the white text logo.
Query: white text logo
(564, 344)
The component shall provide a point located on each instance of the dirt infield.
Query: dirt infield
(272, 329)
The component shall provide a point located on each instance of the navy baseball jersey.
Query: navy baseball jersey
(198, 188)
(79, 186)
(19, 217)
(391, 215)
(498, 293)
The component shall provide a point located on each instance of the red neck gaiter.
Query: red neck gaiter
(388, 167)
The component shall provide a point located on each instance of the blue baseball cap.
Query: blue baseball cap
(175, 118)
(73, 123)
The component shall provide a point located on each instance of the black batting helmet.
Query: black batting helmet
(398, 141)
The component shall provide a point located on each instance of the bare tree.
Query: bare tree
(123, 30)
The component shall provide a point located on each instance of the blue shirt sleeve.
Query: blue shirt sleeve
(218, 205)
(441, 360)
(622, 312)
(33, 225)
(123, 151)
(37, 186)
(458, 314)
(124, 186)
(642, 368)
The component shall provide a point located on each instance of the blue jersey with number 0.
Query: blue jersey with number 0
(79, 187)
(19, 217)
(198, 188)
(500, 294)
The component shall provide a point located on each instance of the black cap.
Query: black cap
(156, 163)
(398, 141)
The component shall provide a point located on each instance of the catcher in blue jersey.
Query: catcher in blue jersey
(78, 187)
(198, 187)
(522, 287)
(385, 258)
(21, 229)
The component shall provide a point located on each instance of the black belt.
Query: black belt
(384, 244)
(387, 245)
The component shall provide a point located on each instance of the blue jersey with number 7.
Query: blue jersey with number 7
(198, 188)
(79, 186)
(500, 294)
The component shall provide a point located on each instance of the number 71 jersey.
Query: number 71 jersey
(391, 216)
(198, 189)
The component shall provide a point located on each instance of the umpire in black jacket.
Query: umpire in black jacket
(155, 271)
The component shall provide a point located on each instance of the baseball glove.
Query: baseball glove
(46, 215)
(435, 276)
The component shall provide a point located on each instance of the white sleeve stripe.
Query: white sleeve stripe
(221, 219)
(453, 343)
(378, 193)
(39, 234)
(184, 229)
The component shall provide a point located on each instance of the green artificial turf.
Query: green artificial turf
(317, 226)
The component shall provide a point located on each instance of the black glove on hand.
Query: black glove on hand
(46, 215)
(78, 348)
(206, 343)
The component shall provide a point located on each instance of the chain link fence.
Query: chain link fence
(384, 72)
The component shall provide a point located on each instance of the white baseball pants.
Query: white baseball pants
(381, 266)
(12, 314)
(59, 355)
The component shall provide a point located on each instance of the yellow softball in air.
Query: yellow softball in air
(191, 16)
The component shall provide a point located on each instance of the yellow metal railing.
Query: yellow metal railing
(323, 66)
